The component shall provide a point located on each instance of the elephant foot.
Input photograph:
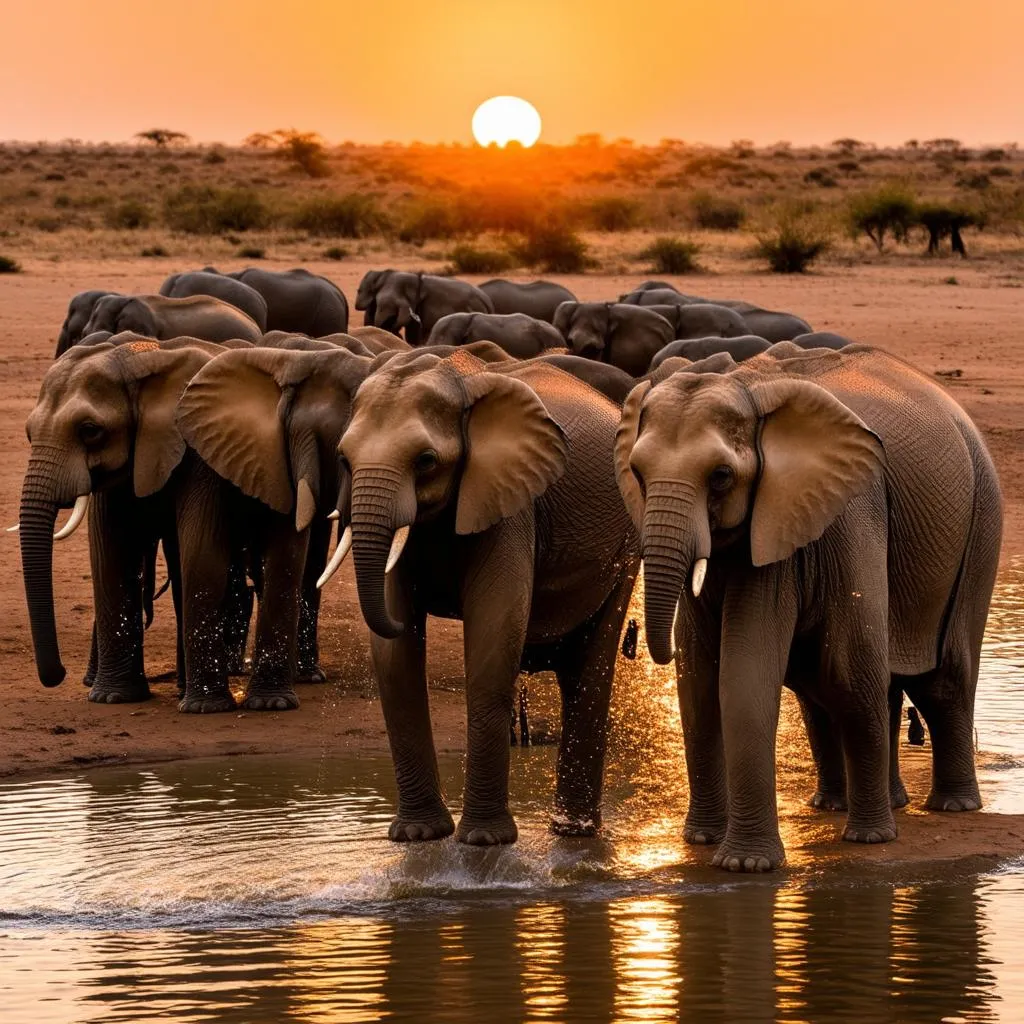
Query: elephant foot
(869, 833)
(119, 693)
(750, 856)
(280, 699)
(487, 832)
(898, 795)
(312, 673)
(89, 679)
(703, 835)
(826, 801)
(421, 830)
(205, 702)
(961, 800)
(581, 826)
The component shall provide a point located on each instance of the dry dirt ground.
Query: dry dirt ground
(974, 328)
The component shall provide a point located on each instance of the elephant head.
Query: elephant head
(396, 304)
(586, 327)
(80, 310)
(105, 414)
(269, 420)
(705, 462)
(440, 437)
(116, 313)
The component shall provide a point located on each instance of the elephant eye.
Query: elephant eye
(425, 462)
(721, 478)
(90, 433)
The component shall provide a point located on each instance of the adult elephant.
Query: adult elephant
(297, 300)
(538, 299)
(666, 296)
(519, 335)
(162, 318)
(851, 515)
(745, 347)
(702, 320)
(631, 297)
(205, 282)
(767, 323)
(80, 310)
(823, 339)
(379, 340)
(485, 493)
(398, 300)
(625, 336)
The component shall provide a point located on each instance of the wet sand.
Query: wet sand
(973, 328)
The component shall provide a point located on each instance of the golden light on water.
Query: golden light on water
(504, 119)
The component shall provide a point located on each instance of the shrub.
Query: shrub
(791, 243)
(349, 216)
(613, 213)
(162, 137)
(555, 248)
(889, 209)
(335, 252)
(993, 154)
(51, 225)
(252, 252)
(848, 166)
(999, 171)
(54, 176)
(979, 181)
(208, 211)
(129, 215)
(431, 218)
(9, 266)
(154, 251)
(214, 156)
(672, 256)
(716, 213)
(821, 176)
(467, 259)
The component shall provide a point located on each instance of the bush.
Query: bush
(129, 216)
(214, 156)
(350, 216)
(791, 243)
(555, 248)
(821, 176)
(672, 256)
(154, 251)
(613, 213)
(467, 259)
(890, 208)
(9, 266)
(979, 181)
(252, 252)
(716, 213)
(431, 218)
(209, 211)
(335, 252)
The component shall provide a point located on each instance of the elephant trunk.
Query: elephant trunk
(676, 536)
(376, 516)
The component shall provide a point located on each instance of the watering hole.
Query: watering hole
(261, 888)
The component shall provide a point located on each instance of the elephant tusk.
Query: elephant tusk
(14, 529)
(334, 515)
(675, 622)
(343, 548)
(397, 546)
(700, 569)
(77, 515)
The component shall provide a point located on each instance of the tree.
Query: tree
(890, 208)
(305, 150)
(848, 145)
(162, 137)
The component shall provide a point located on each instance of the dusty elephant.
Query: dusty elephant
(851, 515)
(519, 335)
(625, 336)
(538, 299)
(161, 318)
(220, 286)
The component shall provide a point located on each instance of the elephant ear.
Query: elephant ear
(515, 451)
(563, 317)
(625, 439)
(816, 456)
(160, 377)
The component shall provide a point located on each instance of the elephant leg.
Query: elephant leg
(238, 613)
(585, 680)
(524, 714)
(825, 741)
(116, 551)
(172, 556)
(271, 685)
(400, 669)
(897, 791)
(309, 670)
(90, 672)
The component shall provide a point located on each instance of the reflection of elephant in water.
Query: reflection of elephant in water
(741, 348)
(156, 316)
(398, 300)
(80, 310)
(220, 286)
(625, 336)
(483, 508)
(702, 320)
(519, 335)
(538, 299)
(297, 300)
(872, 554)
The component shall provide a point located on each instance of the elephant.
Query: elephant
(297, 301)
(660, 297)
(220, 286)
(379, 340)
(625, 336)
(743, 347)
(485, 351)
(399, 300)
(538, 299)
(519, 335)
(822, 339)
(632, 297)
(852, 518)
(304, 343)
(767, 323)
(161, 318)
(612, 382)
(485, 493)
(702, 320)
(80, 310)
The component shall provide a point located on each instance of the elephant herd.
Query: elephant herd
(809, 512)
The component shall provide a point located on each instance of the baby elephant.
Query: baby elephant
(519, 335)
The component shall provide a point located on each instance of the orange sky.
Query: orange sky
(371, 70)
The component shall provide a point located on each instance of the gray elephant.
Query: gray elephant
(832, 520)
(538, 299)
(745, 347)
(485, 493)
(156, 316)
(398, 300)
(80, 310)
(767, 323)
(519, 335)
(660, 297)
(297, 300)
(220, 286)
(625, 336)
(702, 320)
(823, 339)
(632, 297)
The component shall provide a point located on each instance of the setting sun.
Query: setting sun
(505, 119)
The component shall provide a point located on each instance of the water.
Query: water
(258, 889)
